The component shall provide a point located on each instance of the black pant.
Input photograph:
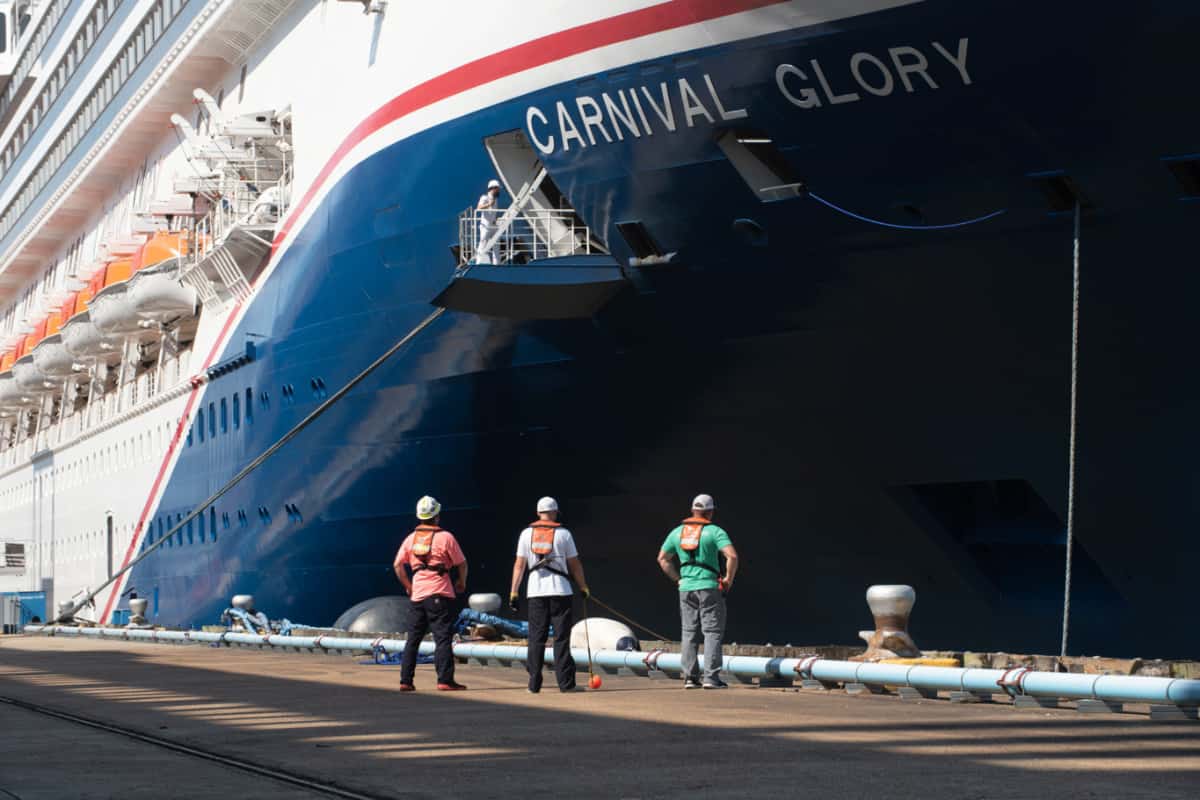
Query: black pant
(436, 614)
(544, 611)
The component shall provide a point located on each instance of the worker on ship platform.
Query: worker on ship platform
(488, 211)
(689, 557)
(548, 550)
(423, 564)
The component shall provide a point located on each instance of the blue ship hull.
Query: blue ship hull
(867, 404)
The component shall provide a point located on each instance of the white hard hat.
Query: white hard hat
(428, 508)
(703, 502)
(547, 504)
(493, 184)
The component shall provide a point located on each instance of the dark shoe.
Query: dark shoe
(715, 683)
(691, 683)
(570, 689)
(407, 687)
(452, 686)
(532, 690)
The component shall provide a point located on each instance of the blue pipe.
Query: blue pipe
(1021, 680)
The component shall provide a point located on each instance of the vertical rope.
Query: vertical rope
(1066, 618)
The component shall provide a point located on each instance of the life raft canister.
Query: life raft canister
(422, 547)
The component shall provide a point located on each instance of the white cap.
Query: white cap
(546, 505)
(703, 502)
(428, 508)
(493, 184)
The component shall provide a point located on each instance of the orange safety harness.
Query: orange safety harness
(422, 547)
(542, 544)
(689, 543)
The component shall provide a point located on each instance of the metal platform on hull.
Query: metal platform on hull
(568, 287)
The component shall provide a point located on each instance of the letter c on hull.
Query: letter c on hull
(546, 147)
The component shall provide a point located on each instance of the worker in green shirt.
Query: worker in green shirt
(689, 557)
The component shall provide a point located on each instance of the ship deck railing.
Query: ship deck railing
(533, 234)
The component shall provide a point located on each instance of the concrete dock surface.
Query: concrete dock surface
(338, 722)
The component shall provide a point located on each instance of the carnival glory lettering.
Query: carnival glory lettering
(663, 108)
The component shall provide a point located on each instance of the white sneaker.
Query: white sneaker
(691, 684)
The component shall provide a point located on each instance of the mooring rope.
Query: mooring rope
(1066, 619)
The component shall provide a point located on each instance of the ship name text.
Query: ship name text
(810, 87)
(671, 105)
(638, 112)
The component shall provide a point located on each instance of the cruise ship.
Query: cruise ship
(815, 258)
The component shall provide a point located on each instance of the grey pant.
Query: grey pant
(703, 615)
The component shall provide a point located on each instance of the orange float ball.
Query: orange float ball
(595, 682)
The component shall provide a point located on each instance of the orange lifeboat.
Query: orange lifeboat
(162, 246)
(117, 271)
(6, 360)
(80, 335)
(36, 335)
(110, 308)
(67, 309)
(50, 356)
(29, 378)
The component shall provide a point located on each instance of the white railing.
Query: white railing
(533, 234)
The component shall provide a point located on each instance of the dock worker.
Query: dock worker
(430, 553)
(488, 211)
(689, 557)
(548, 550)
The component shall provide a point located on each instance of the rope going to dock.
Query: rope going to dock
(1071, 447)
(258, 462)
(964, 223)
(626, 619)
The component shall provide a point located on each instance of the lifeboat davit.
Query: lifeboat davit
(155, 293)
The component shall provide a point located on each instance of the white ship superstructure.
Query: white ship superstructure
(147, 158)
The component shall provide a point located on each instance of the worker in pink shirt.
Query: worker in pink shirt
(430, 553)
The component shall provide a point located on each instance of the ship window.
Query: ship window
(212, 419)
(3, 33)
(237, 411)
(761, 165)
(201, 527)
(212, 522)
(189, 533)
(200, 424)
(249, 406)
(224, 416)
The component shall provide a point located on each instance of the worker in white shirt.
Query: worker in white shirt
(548, 549)
(487, 209)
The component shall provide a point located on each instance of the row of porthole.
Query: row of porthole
(203, 528)
(218, 412)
